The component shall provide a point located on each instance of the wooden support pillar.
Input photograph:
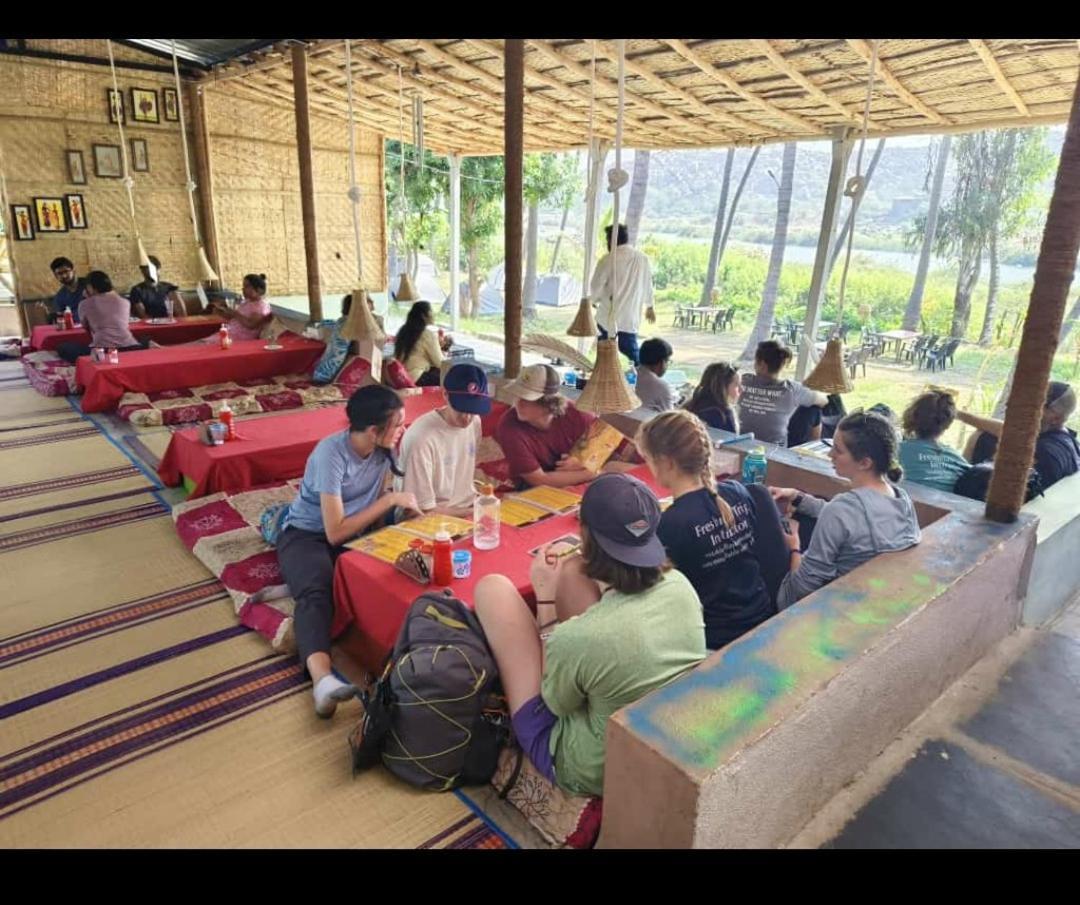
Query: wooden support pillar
(455, 238)
(307, 179)
(513, 151)
(1039, 341)
(841, 148)
(204, 176)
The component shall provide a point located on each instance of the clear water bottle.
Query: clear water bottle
(631, 377)
(754, 466)
(570, 378)
(486, 519)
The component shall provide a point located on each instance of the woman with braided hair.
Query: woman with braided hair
(874, 516)
(924, 458)
(710, 531)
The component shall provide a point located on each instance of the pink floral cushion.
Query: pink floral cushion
(354, 375)
(49, 374)
(395, 375)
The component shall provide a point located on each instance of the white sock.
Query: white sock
(328, 691)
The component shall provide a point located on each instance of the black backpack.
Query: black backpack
(975, 483)
(436, 717)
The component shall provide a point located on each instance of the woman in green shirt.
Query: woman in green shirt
(628, 624)
(924, 459)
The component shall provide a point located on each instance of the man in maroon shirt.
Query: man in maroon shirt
(541, 428)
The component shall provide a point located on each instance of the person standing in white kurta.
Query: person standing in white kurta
(624, 302)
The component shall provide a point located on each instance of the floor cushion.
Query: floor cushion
(49, 374)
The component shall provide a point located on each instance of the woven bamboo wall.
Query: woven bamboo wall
(257, 196)
(48, 106)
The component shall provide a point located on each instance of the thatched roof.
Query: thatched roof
(681, 93)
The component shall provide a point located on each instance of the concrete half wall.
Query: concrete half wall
(1055, 574)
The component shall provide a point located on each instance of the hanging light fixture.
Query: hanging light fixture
(829, 375)
(406, 291)
(584, 323)
(607, 390)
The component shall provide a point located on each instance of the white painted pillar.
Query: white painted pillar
(455, 238)
(841, 148)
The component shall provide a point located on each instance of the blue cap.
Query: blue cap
(466, 388)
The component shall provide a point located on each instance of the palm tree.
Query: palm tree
(913, 312)
(720, 240)
(776, 258)
(639, 185)
(849, 221)
(718, 230)
(1038, 343)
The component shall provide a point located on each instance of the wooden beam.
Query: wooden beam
(721, 78)
(225, 72)
(513, 153)
(205, 174)
(787, 68)
(307, 180)
(987, 56)
(886, 75)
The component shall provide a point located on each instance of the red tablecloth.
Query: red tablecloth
(46, 338)
(269, 449)
(374, 596)
(151, 370)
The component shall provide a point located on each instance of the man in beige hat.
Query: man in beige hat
(539, 431)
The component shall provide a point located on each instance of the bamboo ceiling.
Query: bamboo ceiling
(679, 93)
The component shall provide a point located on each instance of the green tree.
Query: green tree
(413, 219)
(925, 237)
(481, 217)
(547, 179)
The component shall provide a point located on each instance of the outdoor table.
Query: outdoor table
(273, 448)
(46, 338)
(899, 337)
(153, 370)
(699, 313)
(373, 596)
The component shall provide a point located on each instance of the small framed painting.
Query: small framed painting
(171, 104)
(115, 102)
(20, 222)
(140, 157)
(50, 216)
(76, 167)
(76, 209)
(144, 105)
(107, 163)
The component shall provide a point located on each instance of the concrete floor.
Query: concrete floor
(994, 763)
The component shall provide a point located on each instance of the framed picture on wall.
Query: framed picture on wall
(21, 225)
(144, 105)
(76, 209)
(115, 102)
(49, 215)
(140, 157)
(171, 104)
(107, 163)
(76, 167)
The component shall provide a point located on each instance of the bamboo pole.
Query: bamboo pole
(455, 238)
(513, 150)
(200, 128)
(307, 179)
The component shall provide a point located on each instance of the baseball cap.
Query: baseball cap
(466, 388)
(534, 382)
(622, 514)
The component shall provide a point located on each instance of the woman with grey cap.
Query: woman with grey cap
(628, 624)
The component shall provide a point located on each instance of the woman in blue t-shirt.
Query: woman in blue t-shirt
(716, 395)
(341, 496)
(710, 529)
(924, 458)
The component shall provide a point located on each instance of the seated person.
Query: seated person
(804, 425)
(710, 530)
(338, 348)
(72, 289)
(714, 399)
(247, 319)
(539, 431)
(924, 459)
(417, 347)
(655, 393)
(341, 496)
(148, 297)
(1057, 454)
(768, 402)
(640, 632)
(874, 517)
(438, 452)
(105, 313)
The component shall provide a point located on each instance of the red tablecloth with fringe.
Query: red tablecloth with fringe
(46, 338)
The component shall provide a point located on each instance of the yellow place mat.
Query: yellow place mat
(554, 499)
(386, 544)
(516, 512)
(428, 525)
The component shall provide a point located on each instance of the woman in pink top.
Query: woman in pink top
(105, 314)
(251, 315)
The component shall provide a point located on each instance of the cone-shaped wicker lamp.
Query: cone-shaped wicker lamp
(140, 251)
(829, 375)
(607, 390)
(406, 291)
(361, 324)
(584, 324)
(206, 271)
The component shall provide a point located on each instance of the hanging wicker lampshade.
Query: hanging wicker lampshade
(361, 324)
(140, 251)
(829, 375)
(607, 390)
(406, 291)
(584, 324)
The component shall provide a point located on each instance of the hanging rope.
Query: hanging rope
(591, 187)
(402, 208)
(129, 183)
(617, 178)
(856, 185)
(206, 271)
(354, 188)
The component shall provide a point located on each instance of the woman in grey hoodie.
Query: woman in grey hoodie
(874, 516)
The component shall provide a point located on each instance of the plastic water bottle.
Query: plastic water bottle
(631, 377)
(225, 416)
(570, 379)
(486, 519)
(754, 466)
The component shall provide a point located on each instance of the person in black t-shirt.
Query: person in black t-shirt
(710, 530)
(148, 297)
(715, 397)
